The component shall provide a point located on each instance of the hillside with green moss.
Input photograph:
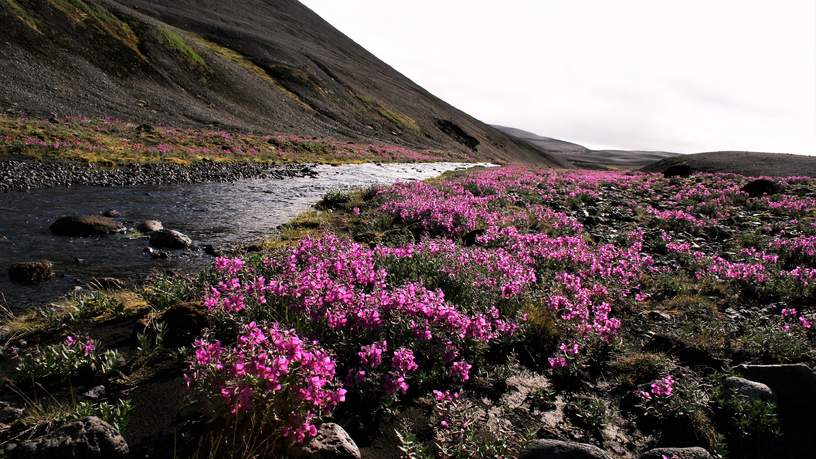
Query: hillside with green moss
(248, 65)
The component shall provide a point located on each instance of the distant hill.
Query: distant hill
(250, 65)
(743, 162)
(583, 157)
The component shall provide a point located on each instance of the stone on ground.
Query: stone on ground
(558, 449)
(88, 438)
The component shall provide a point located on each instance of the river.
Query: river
(219, 214)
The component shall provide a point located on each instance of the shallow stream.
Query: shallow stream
(217, 214)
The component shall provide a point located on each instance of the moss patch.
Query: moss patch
(99, 17)
(243, 62)
(400, 119)
(20, 13)
(171, 39)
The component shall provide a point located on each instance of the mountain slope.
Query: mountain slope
(262, 66)
(583, 157)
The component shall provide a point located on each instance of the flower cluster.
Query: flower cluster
(272, 372)
(661, 388)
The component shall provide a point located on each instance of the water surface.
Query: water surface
(220, 214)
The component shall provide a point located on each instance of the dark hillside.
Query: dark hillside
(261, 66)
(744, 163)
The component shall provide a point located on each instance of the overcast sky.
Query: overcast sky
(687, 76)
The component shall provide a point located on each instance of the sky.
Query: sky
(684, 76)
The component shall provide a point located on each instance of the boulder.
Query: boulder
(749, 389)
(88, 438)
(677, 453)
(558, 449)
(331, 442)
(678, 170)
(87, 225)
(149, 226)
(31, 272)
(170, 239)
(144, 128)
(184, 322)
(9, 413)
(760, 187)
(795, 388)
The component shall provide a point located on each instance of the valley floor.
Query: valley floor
(481, 314)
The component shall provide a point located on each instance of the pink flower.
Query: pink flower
(461, 370)
(403, 360)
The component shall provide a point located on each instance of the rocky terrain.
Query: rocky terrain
(506, 312)
(25, 175)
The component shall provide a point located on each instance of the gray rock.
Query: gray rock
(87, 225)
(750, 389)
(678, 170)
(149, 226)
(88, 438)
(170, 239)
(331, 442)
(112, 213)
(760, 187)
(95, 393)
(677, 453)
(557, 449)
(795, 388)
(31, 272)
(9, 413)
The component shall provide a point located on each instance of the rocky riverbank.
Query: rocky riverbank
(26, 174)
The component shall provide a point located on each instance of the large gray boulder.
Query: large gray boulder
(86, 225)
(752, 390)
(795, 388)
(170, 239)
(558, 449)
(331, 442)
(88, 438)
(760, 187)
(677, 453)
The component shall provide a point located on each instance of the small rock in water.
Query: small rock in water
(149, 226)
(170, 239)
(31, 272)
(112, 213)
(88, 225)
